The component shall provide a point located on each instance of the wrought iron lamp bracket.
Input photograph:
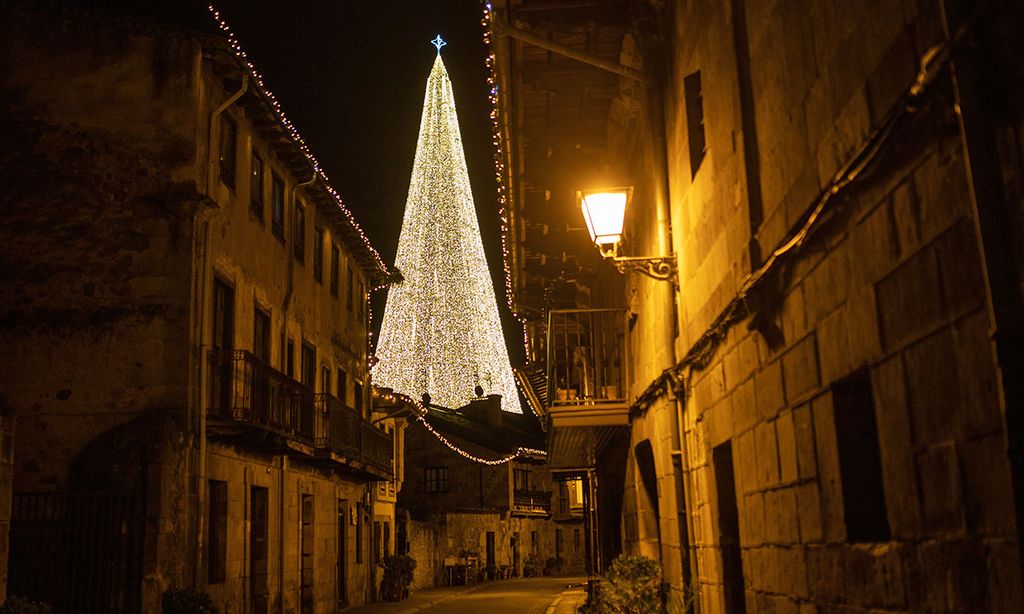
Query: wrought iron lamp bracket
(661, 268)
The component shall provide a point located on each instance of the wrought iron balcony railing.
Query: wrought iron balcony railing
(341, 430)
(586, 352)
(337, 427)
(245, 389)
(534, 501)
(378, 449)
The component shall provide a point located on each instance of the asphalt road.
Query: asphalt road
(520, 596)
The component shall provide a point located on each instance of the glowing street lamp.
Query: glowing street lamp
(604, 212)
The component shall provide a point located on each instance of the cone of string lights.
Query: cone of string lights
(441, 333)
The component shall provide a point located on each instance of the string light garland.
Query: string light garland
(293, 132)
(520, 452)
(499, 172)
(392, 396)
(441, 333)
(422, 411)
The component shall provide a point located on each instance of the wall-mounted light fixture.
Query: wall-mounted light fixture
(604, 211)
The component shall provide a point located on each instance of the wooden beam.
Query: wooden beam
(539, 41)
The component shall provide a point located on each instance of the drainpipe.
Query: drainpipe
(213, 132)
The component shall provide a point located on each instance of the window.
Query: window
(289, 359)
(342, 386)
(435, 479)
(223, 342)
(261, 334)
(306, 553)
(217, 538)
(300, 233)
(387, 539)
(277, 207)
(228, 149)
(534, 543)
(256, 187)
(694, 120)
(325, 379)
(335, 260)
(521, 479)
(308, 365)
(860, 464)
(223, 316)
(318, 255)
(558, 543)
(563, 498)
(351, 288)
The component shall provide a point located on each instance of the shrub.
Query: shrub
(398, 573)
(632, 585)
(187, 601)
(20, 605)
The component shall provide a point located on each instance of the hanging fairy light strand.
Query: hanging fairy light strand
(293, 132)
(519, 453)
(499, 171)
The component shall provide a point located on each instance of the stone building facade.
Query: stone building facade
(185, 326)
(456, 511)
(822, 411)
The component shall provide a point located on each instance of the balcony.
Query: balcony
(246, 390)
(254, 405)
(588, 400)
(531, 502)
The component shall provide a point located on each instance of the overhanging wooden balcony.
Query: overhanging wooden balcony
(587, 365)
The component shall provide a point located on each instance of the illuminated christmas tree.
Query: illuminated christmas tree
(441, 333)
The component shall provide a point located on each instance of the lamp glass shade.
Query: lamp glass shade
(604, 212)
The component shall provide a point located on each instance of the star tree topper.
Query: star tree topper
(439, 42)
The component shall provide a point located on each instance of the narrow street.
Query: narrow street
(560, 595)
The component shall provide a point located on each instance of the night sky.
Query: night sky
(351, 74)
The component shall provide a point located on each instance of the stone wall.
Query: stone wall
(117, 223)
(880, 317)
(332, 498)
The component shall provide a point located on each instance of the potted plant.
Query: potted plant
(394, 584)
